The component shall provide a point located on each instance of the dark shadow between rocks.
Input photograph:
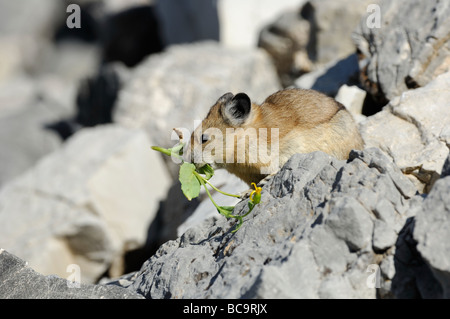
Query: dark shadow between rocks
(345, 71)
(413, 278)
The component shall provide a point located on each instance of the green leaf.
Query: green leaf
(206, 170)
(190, 185)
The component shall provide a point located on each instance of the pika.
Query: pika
(254, 141)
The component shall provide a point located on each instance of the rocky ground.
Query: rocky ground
(83, 197)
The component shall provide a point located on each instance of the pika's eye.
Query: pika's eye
(205, 138)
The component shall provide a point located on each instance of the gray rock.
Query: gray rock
(70, 60)
(385, 211)
(19, 281)
(88, 203)
(331, 254)
(384, 236)
(411, 130)
(432, 233)
(398, 55)
(24, 139)
(26, 30)
(279, 280)
(15, 17)
(292, 245)
(349, 222)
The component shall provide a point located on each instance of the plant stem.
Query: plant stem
(222, 192)
(202, 181)
(223, 210)
(162, 150)
(167, 152)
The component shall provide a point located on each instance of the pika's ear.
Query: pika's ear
(225, 98)
(237, 109)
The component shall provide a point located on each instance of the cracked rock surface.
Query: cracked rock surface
(398, 55)
(320, 227)
(412, 129)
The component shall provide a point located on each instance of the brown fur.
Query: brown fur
(307, 121)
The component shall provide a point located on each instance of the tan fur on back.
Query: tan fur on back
(307, 121)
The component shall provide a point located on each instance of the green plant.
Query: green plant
(193, 178)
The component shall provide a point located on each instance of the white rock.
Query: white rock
(242, 21)
(352, 97)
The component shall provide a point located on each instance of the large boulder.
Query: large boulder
(24, 139)
(88, 203)
(409, 48)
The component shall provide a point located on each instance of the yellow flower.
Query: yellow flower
(255, 196)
